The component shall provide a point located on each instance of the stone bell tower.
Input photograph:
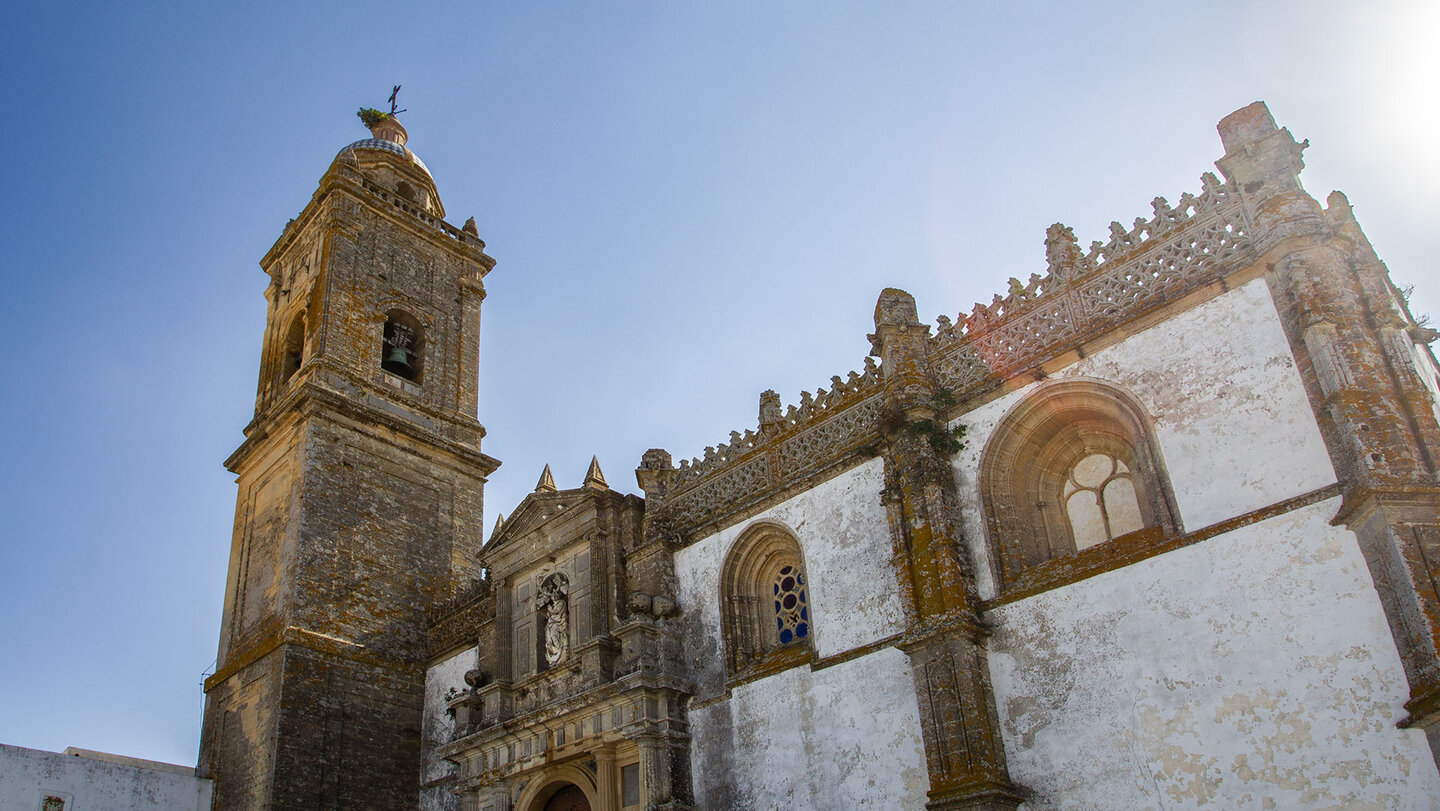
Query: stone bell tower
(361, 480)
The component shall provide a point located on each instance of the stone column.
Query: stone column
(1349, 337)
(944, 639)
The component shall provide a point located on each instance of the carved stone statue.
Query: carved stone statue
(553, 602)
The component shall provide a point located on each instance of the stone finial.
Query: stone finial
(594, 479)
(1062, 252)
(1246, 125)
(546, 483)
(654, 472)
(895, 307)
(656, 459)
(1338, 205)
(470, 228)
(499, 524)
(769, 409)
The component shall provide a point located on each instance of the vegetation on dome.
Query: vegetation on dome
(371, 116)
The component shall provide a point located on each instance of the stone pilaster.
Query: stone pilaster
(1351, 341)
(664, 772)
(944, 638)
(607, 786)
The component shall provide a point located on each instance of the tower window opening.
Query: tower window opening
(293, 350)
(403, 347)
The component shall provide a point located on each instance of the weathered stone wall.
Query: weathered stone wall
(241, 718)
(346, 735)
(1253, 669)
(28, 776)
(360, 505)
(438, 725)
(841, 733)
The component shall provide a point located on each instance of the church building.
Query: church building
(1158, 527)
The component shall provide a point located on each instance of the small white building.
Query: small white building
(83, 780)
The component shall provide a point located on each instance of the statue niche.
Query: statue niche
(552, 603)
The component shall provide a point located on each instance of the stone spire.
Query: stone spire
(546, 483)
(594, 479)
(499, 524)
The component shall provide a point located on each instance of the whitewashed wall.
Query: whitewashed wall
(27, 776)
(846, 736)
(1251, 670)
(1232, 420)
(437, 726)
(845, 539)
(1254, 670)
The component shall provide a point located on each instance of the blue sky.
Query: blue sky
(689, 202)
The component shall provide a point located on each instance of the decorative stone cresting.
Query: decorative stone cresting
(1082, 295)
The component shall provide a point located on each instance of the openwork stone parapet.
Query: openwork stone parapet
(1083, 296)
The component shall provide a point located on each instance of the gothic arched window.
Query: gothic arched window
(403, 346)
(1072, 467)
(765, 609)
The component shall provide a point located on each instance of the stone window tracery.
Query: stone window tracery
(1073, 467)
(1100, 500)
(792, 609)
(765, 609)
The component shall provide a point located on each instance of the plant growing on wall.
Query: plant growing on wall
(371, 116)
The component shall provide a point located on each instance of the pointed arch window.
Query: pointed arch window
(1072, 468)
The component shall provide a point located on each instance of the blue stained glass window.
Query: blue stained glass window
(792, 611)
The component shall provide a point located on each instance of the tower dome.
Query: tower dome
(376, 157)
(387, 135)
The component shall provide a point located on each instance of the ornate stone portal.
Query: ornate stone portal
(580, 686)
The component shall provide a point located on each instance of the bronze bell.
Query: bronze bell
(397, 361)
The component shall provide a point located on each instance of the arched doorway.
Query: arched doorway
(568, 798)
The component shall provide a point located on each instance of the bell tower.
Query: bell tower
(360, 490)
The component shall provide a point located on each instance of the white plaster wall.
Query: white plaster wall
(436, 726)
(843, 737)
(27, 776)
(845, 538)
(1231, 416)
(1254, 670)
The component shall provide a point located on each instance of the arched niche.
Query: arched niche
(1072, 466)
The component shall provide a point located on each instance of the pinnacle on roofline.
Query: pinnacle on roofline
(546, 483)
(594, 479)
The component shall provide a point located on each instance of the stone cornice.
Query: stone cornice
(307, 392)
(340, 177)
(310, 640)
